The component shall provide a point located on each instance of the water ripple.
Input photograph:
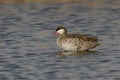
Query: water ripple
(28, 48)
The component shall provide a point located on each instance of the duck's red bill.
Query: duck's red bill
(56, 33)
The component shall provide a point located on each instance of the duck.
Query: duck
(75, 42)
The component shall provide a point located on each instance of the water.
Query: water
(28, 50)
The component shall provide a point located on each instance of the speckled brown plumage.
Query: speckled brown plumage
(75, 42)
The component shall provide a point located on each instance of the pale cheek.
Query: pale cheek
(61, 31)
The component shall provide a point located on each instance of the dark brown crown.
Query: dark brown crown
(60, 27)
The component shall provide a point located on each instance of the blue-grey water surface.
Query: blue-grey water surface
(28, 48)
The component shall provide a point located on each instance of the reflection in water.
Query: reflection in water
(77, 53)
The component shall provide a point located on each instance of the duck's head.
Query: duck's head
(61, 30)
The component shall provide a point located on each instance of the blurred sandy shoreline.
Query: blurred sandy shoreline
(89, 3)
(40, 1)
